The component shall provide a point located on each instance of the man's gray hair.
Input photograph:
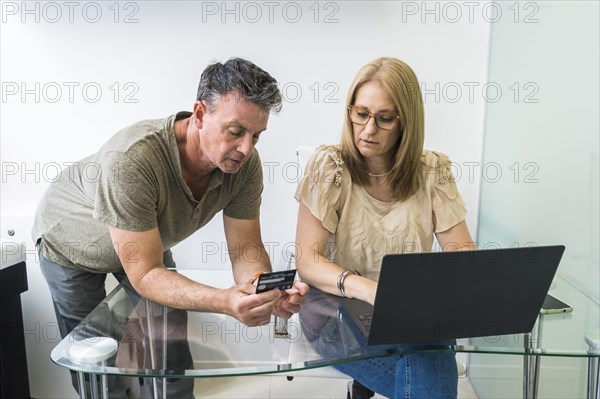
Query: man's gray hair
(247, 80)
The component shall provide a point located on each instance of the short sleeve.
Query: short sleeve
(448, 206)
(321, 186)
(248, 190)
(125, 195)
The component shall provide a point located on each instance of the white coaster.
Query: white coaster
(93, 350)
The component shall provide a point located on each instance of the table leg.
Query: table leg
(593, 381)
(527, 359)
(592, 338)
(597, 361)
(531, 363)
(153, 355)
(536, 377)
(104, 381)
(93, 386)
(81, 381)
(150, 329)
(164, 351)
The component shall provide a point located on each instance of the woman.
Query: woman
(379, 192)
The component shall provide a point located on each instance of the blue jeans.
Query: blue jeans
(75, 293)
(427, 375)
(415, 375)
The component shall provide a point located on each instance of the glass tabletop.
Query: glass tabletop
(156, 341)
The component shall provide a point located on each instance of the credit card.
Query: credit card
(276, 281)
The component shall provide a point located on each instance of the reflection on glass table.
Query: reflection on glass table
(130, 343)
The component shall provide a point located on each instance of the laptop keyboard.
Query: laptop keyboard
(365, 319)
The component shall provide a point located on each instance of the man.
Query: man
(158, 182)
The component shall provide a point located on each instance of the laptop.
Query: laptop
(440, 296)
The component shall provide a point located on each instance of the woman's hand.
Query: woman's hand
(291, 300)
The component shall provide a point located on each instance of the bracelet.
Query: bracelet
(342, 277)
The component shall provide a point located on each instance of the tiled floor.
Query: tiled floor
(276, 387)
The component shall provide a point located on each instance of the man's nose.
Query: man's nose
(246, 145)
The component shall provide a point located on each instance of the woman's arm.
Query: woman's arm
(456, 238)
(316, 270)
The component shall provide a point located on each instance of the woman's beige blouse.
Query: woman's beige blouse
(362, 228)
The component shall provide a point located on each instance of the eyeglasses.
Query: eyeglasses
(383, 120)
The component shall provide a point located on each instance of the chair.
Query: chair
(303, 154)
(287, 262)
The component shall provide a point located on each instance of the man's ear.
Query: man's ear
(200, 110)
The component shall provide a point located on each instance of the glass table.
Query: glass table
(130, 342)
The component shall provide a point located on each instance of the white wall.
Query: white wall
(547, 142)
(548, 138)
(74, 73)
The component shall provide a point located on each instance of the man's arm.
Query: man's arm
(246, 249)
(141, 256)
(249, 257)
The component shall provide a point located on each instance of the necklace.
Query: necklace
(381, 175)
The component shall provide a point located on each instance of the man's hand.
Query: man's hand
(291, 300)
(250, 308)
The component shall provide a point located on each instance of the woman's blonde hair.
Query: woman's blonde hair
(401, 84)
